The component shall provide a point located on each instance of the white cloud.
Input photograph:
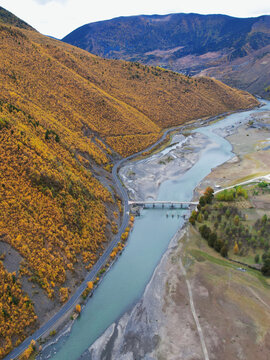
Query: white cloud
(59, 17)
(44, 2)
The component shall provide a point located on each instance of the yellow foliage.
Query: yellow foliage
(114, 227)
(90, 285)
(16, 311)
(236, 248)
(64, 293)
(130, 144)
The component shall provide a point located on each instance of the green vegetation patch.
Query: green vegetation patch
(199, 255)
(227, 230)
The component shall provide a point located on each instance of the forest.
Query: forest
(229, 224)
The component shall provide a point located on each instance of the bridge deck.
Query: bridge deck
(163, 203)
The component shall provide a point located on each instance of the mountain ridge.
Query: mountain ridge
(8, 18)
(187, 43)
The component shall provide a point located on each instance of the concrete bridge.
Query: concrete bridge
(165, 204)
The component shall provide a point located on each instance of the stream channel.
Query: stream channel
(124, 284)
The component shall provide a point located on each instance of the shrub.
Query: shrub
(224, 251)
(202, 201)
(263, 184)
(212, 239)
(205, 231)
(218, 245)
(266, 265)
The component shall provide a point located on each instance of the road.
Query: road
(99, 264)
(265, 178)
(103, 259)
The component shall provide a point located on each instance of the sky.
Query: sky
(59, 17)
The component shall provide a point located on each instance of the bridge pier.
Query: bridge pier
(165, 204)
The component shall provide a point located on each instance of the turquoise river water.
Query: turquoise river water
(124, 284)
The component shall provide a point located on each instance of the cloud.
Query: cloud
(44, 2)
(60, 17)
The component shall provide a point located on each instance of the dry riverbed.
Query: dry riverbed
(197, 305)
(143, 178)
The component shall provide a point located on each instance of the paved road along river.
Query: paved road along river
(125, 282)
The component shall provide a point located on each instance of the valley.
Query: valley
(140, 330)
(80, 135)
(233, 313)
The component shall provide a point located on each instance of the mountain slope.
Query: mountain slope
(60, 107)
(8, 18)
(187, 43)
(251, 72)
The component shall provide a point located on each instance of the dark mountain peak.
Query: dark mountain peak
(131, 37)
(8, 18)
(186, 43)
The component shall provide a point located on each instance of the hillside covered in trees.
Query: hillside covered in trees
(64, 116)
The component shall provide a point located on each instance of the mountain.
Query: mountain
(251, 72)
(8, 18)
(65, 116)
(187, 43)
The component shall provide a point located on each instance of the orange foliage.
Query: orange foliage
(63, 294)
(16, 312)
(103, 146)
(51, 207)
(236, 248)
(119, 204)
(114, 227)
(130, 144)
(78, 308)
(84, 94)
(90, 285)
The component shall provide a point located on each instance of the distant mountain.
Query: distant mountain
(187, 43)
(251, 72)
(8, 18)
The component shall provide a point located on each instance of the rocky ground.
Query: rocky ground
(143, 178)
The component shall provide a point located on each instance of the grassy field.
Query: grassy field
(243, 292)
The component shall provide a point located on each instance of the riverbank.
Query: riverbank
(232, 308)
(61, 320)
(143, 178)
(250, 145)
(93, 307)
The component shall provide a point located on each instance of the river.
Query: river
(124, 284)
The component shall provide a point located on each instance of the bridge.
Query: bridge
(165, 204)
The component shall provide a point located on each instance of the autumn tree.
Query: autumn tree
(236, 248)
